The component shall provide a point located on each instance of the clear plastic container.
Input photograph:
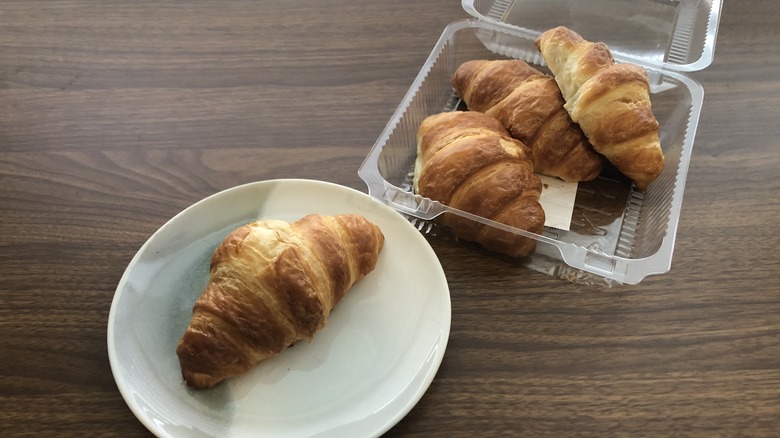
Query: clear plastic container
(617, 234)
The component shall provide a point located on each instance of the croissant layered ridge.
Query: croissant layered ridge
(273, 283)
(610, 102)
(529, 105)
(468, 161)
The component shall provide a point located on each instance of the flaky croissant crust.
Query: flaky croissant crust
(272, 284)
(530, 106)
(610, 102)
(468, 161)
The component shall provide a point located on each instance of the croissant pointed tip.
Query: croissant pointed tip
(199, 381)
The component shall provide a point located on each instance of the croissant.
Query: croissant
(611, 102)
(468, 161)
(271, 284)
(529, 104)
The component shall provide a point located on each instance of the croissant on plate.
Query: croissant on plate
(273, 283)
(610, 102)
(468, 161)
(529, 104)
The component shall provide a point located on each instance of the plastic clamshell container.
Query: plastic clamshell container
(617, 234)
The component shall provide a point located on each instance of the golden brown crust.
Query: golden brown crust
(486, 83)
(530, 106)
(610, 102)
(441, 179)
(272, 284)
(436, 132)
(482, 171)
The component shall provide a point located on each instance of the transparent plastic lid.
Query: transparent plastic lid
(674, 34)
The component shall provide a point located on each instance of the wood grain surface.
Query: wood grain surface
(116, 115)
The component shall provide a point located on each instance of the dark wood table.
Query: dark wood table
(115, 116)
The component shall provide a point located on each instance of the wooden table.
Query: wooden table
(115, 116)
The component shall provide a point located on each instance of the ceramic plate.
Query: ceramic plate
(359, 376)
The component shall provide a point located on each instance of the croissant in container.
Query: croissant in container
(610, 102)
(468, 161)
(272, 284)
(529, 104)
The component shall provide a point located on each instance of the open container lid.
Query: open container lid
(674, 34)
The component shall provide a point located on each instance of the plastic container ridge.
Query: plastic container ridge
(617, 234)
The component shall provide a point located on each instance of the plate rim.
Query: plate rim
(124, 386)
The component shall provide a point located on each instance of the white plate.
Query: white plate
(359, 376)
